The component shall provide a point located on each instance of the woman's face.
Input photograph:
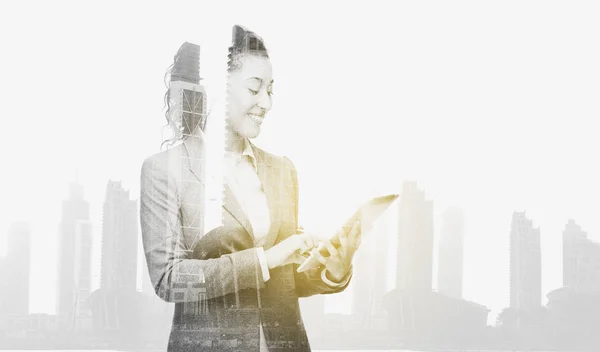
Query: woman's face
(249, 95)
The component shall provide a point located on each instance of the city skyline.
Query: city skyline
(118, 196)
(375, 308)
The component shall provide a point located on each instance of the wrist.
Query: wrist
(264, 267)
(268, 259)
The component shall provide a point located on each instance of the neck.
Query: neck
(234, 142)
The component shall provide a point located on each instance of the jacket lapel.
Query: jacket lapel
(269, 181)
(233, 207)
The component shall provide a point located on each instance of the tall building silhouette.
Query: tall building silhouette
(450, 255)
(525, 264)
(415, 240)
(74, 260)
(581, 259)
(119, 240)
(14, 289)
(414, 308)
(369, 282)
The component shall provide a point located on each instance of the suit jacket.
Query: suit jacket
(215, 280)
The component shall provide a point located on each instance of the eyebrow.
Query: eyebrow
(260, 79)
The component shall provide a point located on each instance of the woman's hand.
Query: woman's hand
(290, 250)
(339, 261)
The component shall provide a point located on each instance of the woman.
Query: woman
(235, 287)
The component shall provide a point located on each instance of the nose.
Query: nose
(265, 101)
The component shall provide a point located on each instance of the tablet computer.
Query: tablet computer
(368, 214)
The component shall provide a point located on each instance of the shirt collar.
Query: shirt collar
(247, 152)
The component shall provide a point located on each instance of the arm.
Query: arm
(311, 282)
(167, 253)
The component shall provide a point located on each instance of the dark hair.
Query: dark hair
(185, 67)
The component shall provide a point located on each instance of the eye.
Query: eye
(253, 92)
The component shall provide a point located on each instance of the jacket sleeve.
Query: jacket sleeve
(173, 272)
(309, 282)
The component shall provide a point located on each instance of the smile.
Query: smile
(256, 118)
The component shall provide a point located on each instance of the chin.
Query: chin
(252, 133)
(250, 130)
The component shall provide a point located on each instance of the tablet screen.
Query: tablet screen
(368, 214)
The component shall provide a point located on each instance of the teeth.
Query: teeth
(256, 118)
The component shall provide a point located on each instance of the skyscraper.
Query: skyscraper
(525, 264)
(119, 240)
(415, 240)
(369, 282)
(450, 256)
(74, 260)
(14, 295)
(188, 105)
(581, 259)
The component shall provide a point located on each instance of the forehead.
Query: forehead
(255, 66)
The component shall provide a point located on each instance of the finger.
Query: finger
(321, 259)
(307, 243)
(297, 258)
(308, 239)
(356, 234)
(319, 248)
(340, 233)
(296, 244)
(344, 242)
(330, 248)
(314, 238)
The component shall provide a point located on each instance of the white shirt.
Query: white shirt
(242, 177)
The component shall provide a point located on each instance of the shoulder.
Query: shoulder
(164, 163)
(280, 161)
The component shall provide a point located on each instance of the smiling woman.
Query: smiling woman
(249, 88)
(236, 286)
